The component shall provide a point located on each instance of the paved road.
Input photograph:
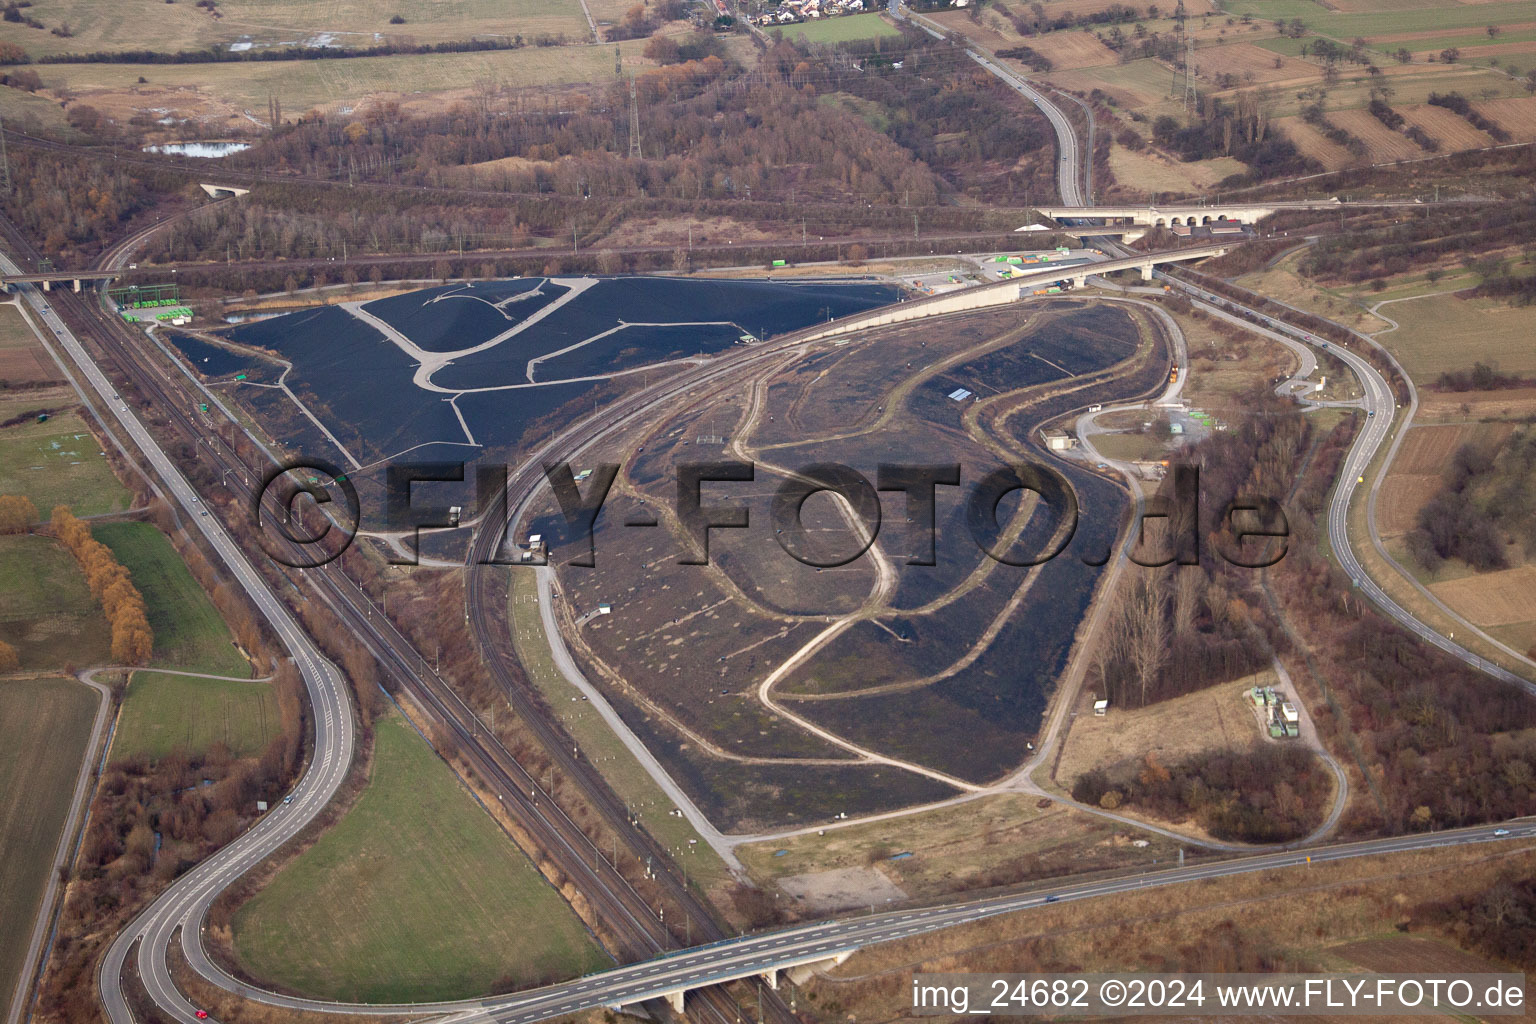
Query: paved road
(1069, 174)
(753, 954)
(1381, 477)
(1381, 407)
(42, 925)
(1379, 403)
(573, 674)
(190, 897)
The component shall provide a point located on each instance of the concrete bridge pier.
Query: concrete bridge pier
(1146, 271)
(77, 284)
(47, 286)
(800, 974)
(772, 978)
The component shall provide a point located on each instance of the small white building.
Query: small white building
(1101, 708)
(1057, 440)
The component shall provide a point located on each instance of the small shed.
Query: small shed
(1101, 708)
(1057, 440)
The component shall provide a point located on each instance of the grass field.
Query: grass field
(1443, 332)
(1451, 406)
(1140, 85)
(1389, 17)
(415, 894)
(841, 30)
(153, 24)
(229, 88)
(1215, 718)
(59, 462)
(22, 359)
(44, 727)
(35, 113)
(46, 611)
(598, 742)
(1151, 174)
(1503, 598)
(189, 632)
(1413, 84)
(162, 713)
(958, 846)
(1418, 472)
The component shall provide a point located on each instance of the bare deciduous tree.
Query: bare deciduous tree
(1188, 583)
(1147, 631)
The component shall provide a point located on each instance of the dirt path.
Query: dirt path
(42, 925)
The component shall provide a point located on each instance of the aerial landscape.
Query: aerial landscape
(805, 511)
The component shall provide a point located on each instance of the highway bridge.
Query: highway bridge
(1170, 215)
(1137, 220)
(807, 947)
(1020, 286)
(51, 277)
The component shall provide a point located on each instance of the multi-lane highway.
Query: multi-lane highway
(327, 690)
(765, 952)
(1380, 405)
(185, 903)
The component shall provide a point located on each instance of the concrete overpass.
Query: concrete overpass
(52, 277)
(1177, 214)
(1019, 287)
(797, 965)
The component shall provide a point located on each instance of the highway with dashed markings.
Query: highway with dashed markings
(187, 899)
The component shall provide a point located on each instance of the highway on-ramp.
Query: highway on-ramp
(1379, 402)
(185, 903)
(188, 899)
(767, 951)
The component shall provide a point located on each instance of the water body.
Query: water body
(209, 360)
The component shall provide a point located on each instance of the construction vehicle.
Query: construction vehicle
(1173, 375)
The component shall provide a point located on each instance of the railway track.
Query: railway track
(632, 922)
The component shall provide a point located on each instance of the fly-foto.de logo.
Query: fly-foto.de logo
(1250, 532)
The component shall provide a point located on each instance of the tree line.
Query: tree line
(1482, 377)
(1381, 250)
(151, 821)
(1486, 495)
(1240, 128)
(1271, 794)
(1458, 104)
(219, 53)
(1184, 627)
(1382, 111)
(111, 585)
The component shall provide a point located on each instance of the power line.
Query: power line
(634, 120)
(5, 163)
